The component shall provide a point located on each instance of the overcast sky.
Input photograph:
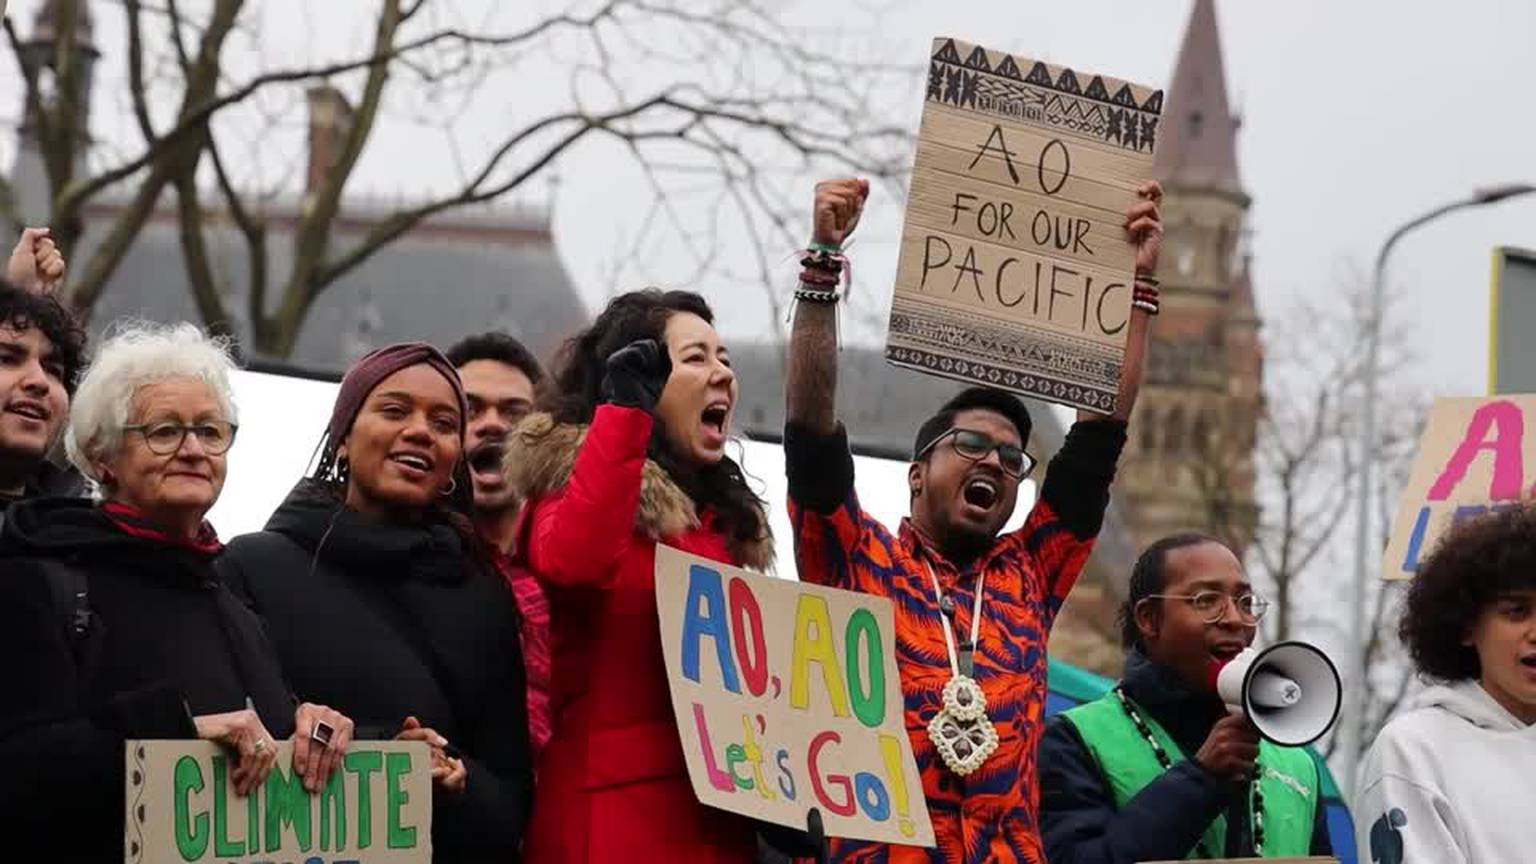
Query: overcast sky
(1356, 116)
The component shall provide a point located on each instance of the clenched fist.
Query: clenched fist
(1144, 226)
(1231, 749)
(36, 265)
(836, 212)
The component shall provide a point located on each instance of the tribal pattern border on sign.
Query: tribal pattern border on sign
(1047, 98)
(943, 342)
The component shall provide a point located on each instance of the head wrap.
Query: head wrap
(367, 373)
(372, 368)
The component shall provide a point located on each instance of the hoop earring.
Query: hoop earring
(453, 486)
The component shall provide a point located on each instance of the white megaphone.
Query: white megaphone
(1290, 691)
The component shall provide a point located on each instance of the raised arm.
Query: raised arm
(824, 514)
(579, 532)
(811, 394)
(1144, 229)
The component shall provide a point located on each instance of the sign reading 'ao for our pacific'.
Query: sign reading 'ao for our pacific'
(1015, 271)
(787, 698)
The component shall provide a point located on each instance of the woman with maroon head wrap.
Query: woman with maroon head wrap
(376, 590)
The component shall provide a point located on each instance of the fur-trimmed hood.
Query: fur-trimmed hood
(540, 456)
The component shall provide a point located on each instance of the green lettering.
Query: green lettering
(363, 763)
(191, 832)
(735, 754)
(333, 797)
(253, 821)
(396, 765)
(868, 696)
(287, 808)
(222, 847)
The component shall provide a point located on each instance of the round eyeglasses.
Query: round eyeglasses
(165, 439)
(1213, 605)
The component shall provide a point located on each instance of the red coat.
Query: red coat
(612, 783)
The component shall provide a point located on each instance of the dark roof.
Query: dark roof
(1198, 149)
(474, 272)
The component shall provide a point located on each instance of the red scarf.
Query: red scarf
(132, 522)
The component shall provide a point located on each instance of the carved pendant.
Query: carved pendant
(963, 699)
(961, 733)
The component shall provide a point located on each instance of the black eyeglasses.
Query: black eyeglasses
(975, 446)
(164, 439)
(1212, 605)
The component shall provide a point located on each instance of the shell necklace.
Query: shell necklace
(961, 732)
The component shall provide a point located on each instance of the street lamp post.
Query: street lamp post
(1355, 693)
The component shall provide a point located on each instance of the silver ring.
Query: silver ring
(322, 733)
(260, 746)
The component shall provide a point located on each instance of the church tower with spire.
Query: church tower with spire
(1190, 462)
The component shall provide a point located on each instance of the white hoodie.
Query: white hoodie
(1453, 781)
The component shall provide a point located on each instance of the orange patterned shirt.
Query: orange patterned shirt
(990, 815)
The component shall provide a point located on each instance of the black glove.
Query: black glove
(636, 374)
(783, 842)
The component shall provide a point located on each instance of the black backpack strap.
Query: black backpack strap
(72, 604)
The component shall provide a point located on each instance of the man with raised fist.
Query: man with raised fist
(974, 606)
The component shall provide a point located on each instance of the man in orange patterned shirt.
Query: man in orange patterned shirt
(973, 608)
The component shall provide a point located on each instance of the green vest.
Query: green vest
(1288, 776)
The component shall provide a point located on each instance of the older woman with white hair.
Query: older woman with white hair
(113, 622)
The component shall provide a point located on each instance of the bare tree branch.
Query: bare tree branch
(747, 105)
(201, 80)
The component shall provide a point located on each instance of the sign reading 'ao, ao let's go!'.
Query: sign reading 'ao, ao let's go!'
(787, 699)
(181, 806)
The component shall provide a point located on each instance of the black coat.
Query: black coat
(166, 642)
(48, 481)
(389, 620)
(1078, 818)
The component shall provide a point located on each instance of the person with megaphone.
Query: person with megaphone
(1450, 780)
(1164, 768)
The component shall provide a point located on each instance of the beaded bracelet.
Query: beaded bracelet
(822, 260)
(1146, 306)
(818, 277)
(810, 295)
(824, 266)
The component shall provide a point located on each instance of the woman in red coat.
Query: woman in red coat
(630, 452)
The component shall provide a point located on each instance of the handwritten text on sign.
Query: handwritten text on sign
(1014, 268)
(787, 698)
(1477, 454)
(182, 806)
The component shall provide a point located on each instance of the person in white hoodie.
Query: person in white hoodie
(1453, 780)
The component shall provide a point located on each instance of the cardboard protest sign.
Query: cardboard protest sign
(1014, 269)
(181, 806)
(787, 698)
(1472, 457)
